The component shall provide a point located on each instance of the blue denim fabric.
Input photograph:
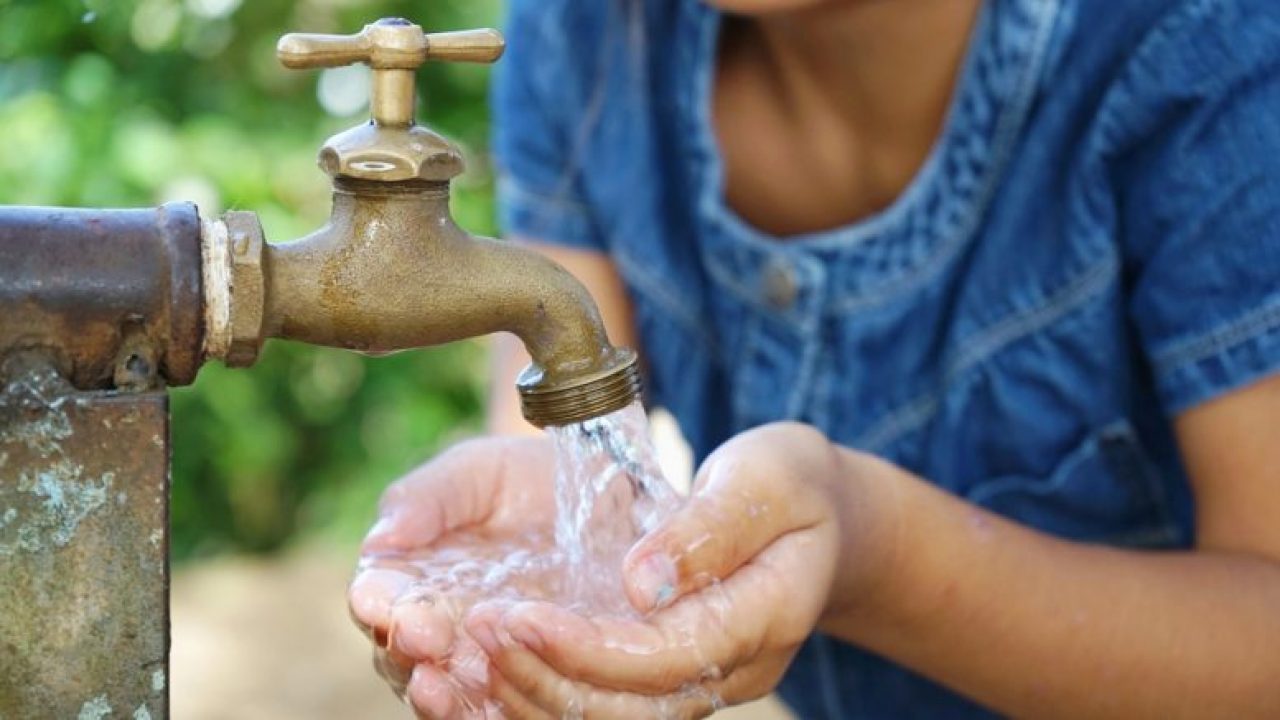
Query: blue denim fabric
(1092, 247)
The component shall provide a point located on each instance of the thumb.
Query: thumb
(737, 511)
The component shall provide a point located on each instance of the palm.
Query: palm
(472, 525)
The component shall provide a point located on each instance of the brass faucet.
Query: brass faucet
(391, 270)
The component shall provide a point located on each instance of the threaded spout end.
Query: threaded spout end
(554, 402)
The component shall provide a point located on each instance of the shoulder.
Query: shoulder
(566, 48)
(1186, 55)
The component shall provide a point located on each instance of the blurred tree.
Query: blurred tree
(105, 103)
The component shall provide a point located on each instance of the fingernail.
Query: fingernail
(655, 579)
(526, 635)
(384, 526)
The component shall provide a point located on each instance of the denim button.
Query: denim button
(780, 288)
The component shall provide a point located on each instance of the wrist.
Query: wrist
(869, 497)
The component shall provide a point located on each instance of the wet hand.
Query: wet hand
(475, 502)
(732, 584)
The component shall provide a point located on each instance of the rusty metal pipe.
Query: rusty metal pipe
(112, 297)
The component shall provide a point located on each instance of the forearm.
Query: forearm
(1036, 626)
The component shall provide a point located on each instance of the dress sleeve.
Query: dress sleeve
(536, 129)
(1201, 201)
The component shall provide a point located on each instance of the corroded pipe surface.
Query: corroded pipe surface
(84, 571)
(113, 297)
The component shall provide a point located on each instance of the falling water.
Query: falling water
(609, 492)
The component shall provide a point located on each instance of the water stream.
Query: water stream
(609, 492)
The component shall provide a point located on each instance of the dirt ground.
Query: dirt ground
(270, 640)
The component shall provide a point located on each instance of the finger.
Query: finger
(749, 682)
(515, 706)
(421, 628)
(371, 596)
(687, 701)
(703, 637)
(395, 670)
(469, 665)
(430, 693)
(523, 678)
(530, 679)
(456, 489)
(625, 655)
(743, 503)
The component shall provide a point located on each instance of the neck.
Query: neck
(885, 67)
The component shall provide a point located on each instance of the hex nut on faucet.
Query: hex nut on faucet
(372, 152)
(248, 288)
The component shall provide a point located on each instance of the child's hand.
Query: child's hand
(763, 523)
(482, 494)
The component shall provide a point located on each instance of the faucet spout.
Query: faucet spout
(391, 270)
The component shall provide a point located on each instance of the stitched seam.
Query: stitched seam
(1006, 134)
(1087, 449)
(1220, 339)
(1161, 530)
(898, 422)
(1003, 332)
(741, 370)
(722, 276)
(591, 113)
(808, 361)
(984, 345)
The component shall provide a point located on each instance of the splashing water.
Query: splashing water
(609, 492)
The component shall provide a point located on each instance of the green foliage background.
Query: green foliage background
(106, 103)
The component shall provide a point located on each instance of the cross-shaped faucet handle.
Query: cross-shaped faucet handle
(394, 48)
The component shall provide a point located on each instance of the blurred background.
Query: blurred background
(276, 470)
(129, 104)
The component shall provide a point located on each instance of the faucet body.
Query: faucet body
(391, 270)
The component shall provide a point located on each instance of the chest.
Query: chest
(974, 331)
(793, 166)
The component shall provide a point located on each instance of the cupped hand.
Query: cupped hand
(445, 530)
(730, 585)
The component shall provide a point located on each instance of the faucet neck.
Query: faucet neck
(349, 189)
(393, 210)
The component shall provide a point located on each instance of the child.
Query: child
(1009, 272)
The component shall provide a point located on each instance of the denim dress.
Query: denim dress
(1092, 247)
